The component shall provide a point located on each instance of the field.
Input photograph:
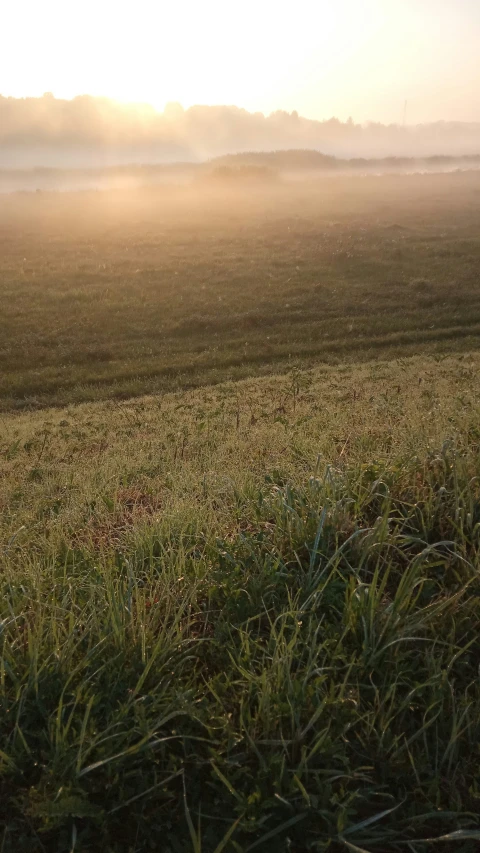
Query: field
(240, 519)
(123, 293)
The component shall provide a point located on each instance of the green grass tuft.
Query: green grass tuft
(245, 618)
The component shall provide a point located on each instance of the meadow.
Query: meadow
(117, 294)
(240, 522)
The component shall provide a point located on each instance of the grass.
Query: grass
(245, 617)
(118, 294)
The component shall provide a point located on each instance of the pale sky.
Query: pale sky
(362, 58)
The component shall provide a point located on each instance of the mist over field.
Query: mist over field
(239, 481)
(96, 132)
(240, 514)
(240, 426)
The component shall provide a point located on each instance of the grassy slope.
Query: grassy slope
(251, 608)
(119, 294)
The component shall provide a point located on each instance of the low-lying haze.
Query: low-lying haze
(93, 132)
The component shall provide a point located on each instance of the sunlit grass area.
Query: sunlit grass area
(117, 294)
(245, 617)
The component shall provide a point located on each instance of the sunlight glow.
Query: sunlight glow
(350, 57)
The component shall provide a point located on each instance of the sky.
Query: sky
(359, 58)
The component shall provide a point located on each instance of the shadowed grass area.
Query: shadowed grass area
(245, 617)
(117, 294)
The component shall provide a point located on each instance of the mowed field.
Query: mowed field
(114, 294)
(242, 615)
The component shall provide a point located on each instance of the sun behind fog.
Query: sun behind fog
(319, 58)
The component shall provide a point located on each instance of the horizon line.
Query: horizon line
(179, 108)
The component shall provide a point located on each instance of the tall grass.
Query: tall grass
(282, 655)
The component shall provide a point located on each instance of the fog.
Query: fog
(89, 132)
